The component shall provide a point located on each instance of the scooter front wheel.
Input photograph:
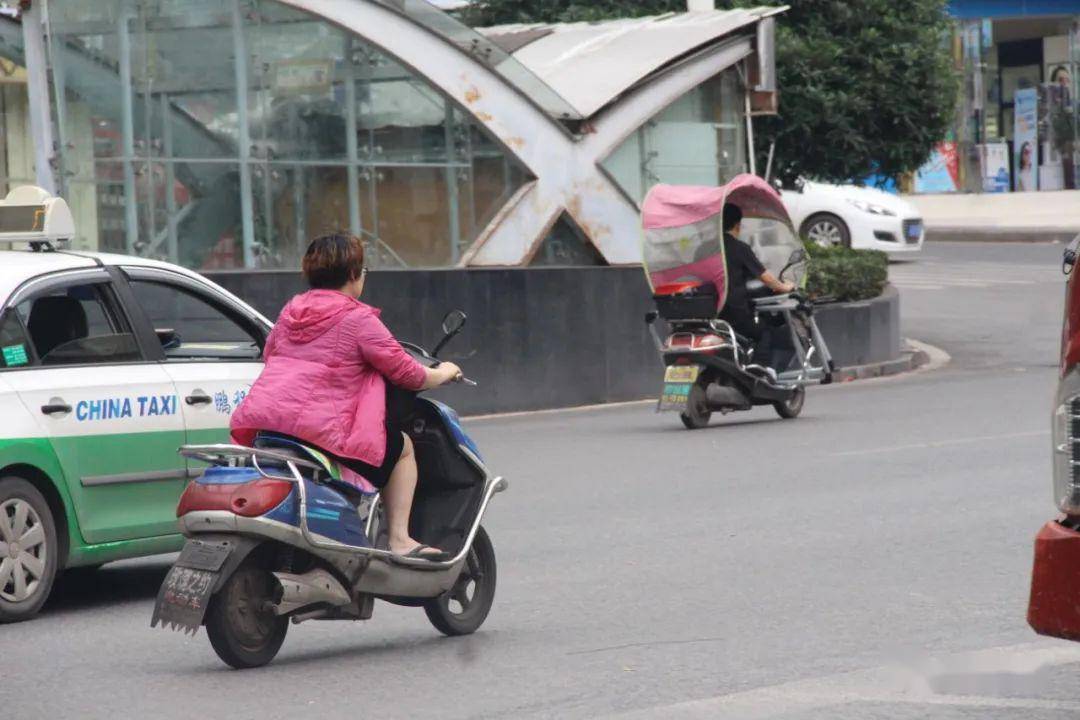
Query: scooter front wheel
(240, 623)
(462, 609)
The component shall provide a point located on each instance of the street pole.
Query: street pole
(37, 86)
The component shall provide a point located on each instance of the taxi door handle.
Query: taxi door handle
(198, 398)
(55, 407)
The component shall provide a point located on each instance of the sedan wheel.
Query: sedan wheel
(27, 550)
(827, 231)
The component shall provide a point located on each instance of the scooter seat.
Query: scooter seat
(328, 475)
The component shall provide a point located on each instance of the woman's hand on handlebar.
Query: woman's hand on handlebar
(440, 375)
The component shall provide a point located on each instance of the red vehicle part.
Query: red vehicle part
(1070, 330)
(677, 287)
(251, 499)
(694, 342)
(1054, 607)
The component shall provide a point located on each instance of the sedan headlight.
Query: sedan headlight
(872, 208)
(1066, 439)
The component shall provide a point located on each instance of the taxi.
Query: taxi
(108, 363)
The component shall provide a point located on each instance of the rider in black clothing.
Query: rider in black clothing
(742, 267)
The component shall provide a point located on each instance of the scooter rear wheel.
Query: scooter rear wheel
(463, 608)
(242, 628)
(790, 410)
(697, 413)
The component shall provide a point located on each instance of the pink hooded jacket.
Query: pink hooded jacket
(326, 360)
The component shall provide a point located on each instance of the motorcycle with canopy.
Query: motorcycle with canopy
(709, 366)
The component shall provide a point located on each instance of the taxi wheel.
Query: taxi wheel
(28, 550)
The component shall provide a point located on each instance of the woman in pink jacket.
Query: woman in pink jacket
(328, 360)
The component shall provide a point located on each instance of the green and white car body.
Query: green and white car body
(108, 364)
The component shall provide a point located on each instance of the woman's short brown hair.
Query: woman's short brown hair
(333, 260)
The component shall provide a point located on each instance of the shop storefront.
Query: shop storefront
(1018, 121)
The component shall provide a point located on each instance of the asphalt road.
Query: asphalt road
(868, 560)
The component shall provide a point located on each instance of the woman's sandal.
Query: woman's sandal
(417, 553)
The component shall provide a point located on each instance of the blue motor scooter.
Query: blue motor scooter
(275, 535)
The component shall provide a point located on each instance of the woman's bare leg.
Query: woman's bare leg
(397, 498)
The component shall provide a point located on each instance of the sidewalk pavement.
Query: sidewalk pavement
(1002, 217)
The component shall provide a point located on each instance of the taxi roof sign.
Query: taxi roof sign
(31, 215)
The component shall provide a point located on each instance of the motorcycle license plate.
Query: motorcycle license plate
(678, 379)
(181, 601)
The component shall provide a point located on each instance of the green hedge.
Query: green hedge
(846, 275)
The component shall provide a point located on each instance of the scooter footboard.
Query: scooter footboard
(391, 578)
(205, 563)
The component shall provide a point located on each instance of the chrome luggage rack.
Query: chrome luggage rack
(225, 455)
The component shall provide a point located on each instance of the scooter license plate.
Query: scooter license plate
(678, 379)
(182, 599)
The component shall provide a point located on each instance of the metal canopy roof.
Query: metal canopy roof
(591, 64)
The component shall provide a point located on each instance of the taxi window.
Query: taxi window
(74, 325)
(192, 327)
(14, 346)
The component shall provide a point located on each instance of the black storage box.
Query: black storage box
(686, 301)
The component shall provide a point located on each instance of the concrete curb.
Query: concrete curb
(937, 358)
(1060, 235)
(916, 355)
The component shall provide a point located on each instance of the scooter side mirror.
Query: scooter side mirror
(452, 324)
(650, 317)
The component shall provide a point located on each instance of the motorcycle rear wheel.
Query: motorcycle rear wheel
(790, 410)
(463, 608)
(243, 629)
(697, 413)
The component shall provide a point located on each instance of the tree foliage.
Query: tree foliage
(867, 87)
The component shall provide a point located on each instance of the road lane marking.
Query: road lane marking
(924, 682)
(942, 443)
(649, 643)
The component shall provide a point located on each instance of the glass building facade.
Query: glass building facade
(700, 139)
(16, 146)
(221, 135)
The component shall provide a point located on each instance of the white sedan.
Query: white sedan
(853, 216)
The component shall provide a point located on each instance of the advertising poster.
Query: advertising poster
(995, 167)
(941, 173)
(1025, 141)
